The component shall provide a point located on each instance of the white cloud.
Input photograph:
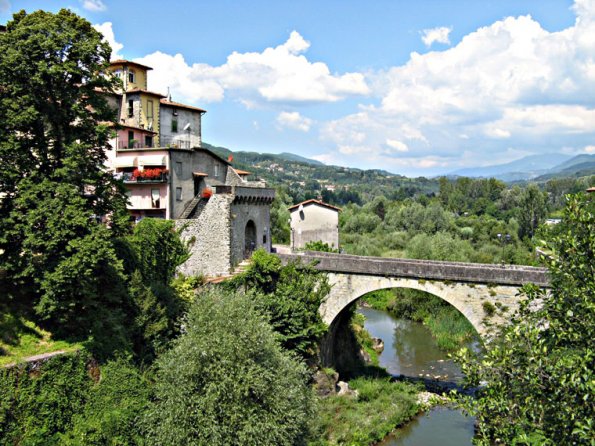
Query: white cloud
(509, 85)
(397, 145)
(93, 5)
(440, 35)
(108, 34)
(294, 120)
(590, 149)
(277, 75)
(4, 5)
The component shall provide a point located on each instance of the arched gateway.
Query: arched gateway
(469, 287)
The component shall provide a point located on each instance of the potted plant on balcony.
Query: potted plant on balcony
(206, 193)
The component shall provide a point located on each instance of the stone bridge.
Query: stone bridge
(473, 289)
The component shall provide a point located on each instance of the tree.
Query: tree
(226, 381)
(532, 210)
(53, 251)
(290, 296)
(539, 376)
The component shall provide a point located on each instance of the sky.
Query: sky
(416, 88)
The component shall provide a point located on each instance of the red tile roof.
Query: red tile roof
(242, 172)
(129, 62)
(313, 201)
(140, 90)
(177, 104)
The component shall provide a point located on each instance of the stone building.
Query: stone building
(312, 221)
(157, 152)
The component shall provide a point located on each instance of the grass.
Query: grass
(21, 338)
(364, 339)
(379, 407)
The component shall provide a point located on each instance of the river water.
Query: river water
(410, 350)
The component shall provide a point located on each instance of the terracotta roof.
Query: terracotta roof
(177, 104)
(129, 62)
(200, 174)
(140, 90)
(313, 201)
(242, 172)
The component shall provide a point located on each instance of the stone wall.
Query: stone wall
(210, 238)
(183, 164)
(241, 214)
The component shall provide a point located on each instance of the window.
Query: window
(178, 193)
(174, 125)
(178, 168)
(130, 108)
(155, 198)
(131, 76)
(216, 170)
(148, 141)
(130, 139)
(149, 109)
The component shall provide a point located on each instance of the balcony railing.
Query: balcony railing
(175, 143)
(128, 177)
(134, 144)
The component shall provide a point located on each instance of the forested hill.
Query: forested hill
(305, 178)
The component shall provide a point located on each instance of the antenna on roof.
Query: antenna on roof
(168, 95)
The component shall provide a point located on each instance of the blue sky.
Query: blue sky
(415, 88)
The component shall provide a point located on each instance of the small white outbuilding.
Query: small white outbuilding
(314, 220)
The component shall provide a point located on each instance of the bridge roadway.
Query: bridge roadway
(423, 269)
(466, 286)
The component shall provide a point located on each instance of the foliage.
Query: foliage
(159, 249)
(36, 405)
(54, 254)
(113, 409)
(186, 287)
(319, 246)
(280, 231)
(539, 376)
(290, 295)
(227, 381)
(381, 405)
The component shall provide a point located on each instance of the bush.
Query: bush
(227, 381)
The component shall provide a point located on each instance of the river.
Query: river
(410, 350)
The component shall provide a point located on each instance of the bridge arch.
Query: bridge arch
(467, 298)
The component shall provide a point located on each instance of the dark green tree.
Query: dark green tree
(226, 381)
(54, 253)
(539, 376)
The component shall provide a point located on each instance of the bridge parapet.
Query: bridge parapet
(424, 269)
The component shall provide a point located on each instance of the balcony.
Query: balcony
(134, 144)
(146, 176)
(176, 143)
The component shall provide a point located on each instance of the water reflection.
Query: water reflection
(410, 350)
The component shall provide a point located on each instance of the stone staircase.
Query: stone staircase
(239, 269)
(188, 210)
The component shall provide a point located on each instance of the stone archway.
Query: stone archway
(467, 298)
(249, 239)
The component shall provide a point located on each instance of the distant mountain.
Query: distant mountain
(521, 169)
(579, 166)
(255, 157)
(301, 159)
(573, 163)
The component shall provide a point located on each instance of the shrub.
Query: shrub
(227, 381)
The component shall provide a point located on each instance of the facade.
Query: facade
(157, 152)
(312, 221)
